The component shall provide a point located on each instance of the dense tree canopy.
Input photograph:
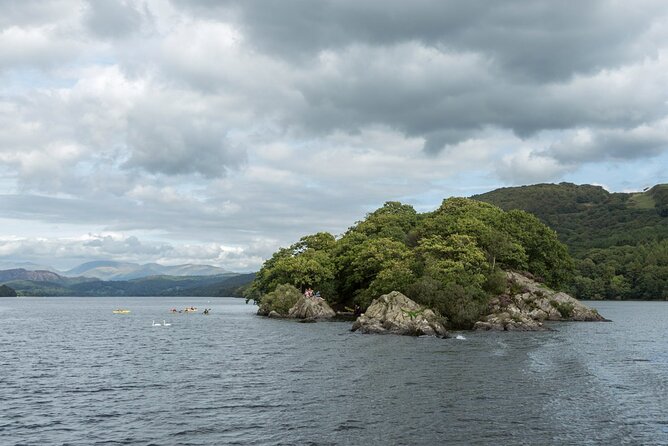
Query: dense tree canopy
(619, 240)
(449, 259)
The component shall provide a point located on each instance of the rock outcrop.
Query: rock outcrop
(397, 314)
(311, 308)
(529, 303)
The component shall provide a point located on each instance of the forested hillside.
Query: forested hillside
(619, 240)
(451, 259)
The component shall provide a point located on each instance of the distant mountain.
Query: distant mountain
(36, 276)
(39, 284)
(619, 240)
(30, 266)
(111, 270)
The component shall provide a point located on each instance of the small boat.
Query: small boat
(190, 310)
(120, 311)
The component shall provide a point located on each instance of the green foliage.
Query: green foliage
(394, 221)
(307, 263)
(618, 240)
(546, 256)
(449, 260)
(496, 282)
(564, 308)
(412, 314)
(280, 300)
(463, 306)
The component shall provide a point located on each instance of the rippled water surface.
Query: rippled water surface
(71, 372)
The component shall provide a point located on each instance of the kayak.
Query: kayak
(120, 311)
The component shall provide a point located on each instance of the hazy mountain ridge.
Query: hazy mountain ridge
(52, 284)
(36, 276)
(112, 270)
(111, 278)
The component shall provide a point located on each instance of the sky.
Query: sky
(215, 132)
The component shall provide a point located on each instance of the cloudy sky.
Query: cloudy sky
(216, 131)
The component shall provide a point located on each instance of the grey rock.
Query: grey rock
(397, 314)
(311, 308)
(535, 303)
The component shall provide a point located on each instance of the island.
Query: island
(466, 265)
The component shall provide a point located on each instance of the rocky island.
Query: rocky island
(468, 265)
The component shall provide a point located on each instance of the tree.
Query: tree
(307, 263)
(546, 256)
(393, 220)
(361, 265)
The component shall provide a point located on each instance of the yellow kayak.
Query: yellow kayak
(120, 311)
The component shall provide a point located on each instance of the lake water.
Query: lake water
(71, 372)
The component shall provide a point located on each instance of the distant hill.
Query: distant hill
(30, 266)
(40, 284)
(111, 270)
(620, 240)
(23, 274)
(6, 291)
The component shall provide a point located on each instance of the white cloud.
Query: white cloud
(226, 129)
(67, 252)
(528, 166)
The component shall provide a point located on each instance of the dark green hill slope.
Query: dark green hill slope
(6, 291)
(620, 240)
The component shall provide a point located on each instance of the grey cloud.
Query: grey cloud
(585, 146)
(113, 18)
(34, 12)
(446, 98)
(444, 70)
(534, 40)
(525, 167)
(176, 142)
(152, 130)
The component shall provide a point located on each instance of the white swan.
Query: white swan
(155, 325)
(460, 337)
(165, 324)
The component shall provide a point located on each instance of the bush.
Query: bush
(280, 300)
(428, 292)
(564, 308)
(496, 282)
(461, 307)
